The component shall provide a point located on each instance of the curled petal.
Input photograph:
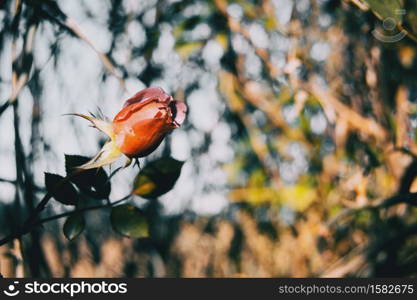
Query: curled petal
(136, 112)
(179, 112)
(152, 93)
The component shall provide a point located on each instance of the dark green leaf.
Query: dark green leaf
(128, 220)
(63, 192)
(157, 178)
(74, 225)
(92, 182)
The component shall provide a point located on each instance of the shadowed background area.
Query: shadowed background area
(299, 147)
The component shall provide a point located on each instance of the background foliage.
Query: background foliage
(298, 157)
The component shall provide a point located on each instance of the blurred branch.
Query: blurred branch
(108, 65)
(408, 198)
(23, 61)
(228, 84)
(7, 181)
(359, 4)
(359, 257)
(55, 14)
(13, 182)
(348, 264)
(23, 175)
(401, 117)
(365, 125)
(263, 99)
(236, 27)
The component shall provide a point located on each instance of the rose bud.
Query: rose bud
(139, 128)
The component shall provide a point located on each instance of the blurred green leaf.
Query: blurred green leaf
(74, 225)
(387, 9)
(299, 197)
(185, 49)
(92, 182)
(64, 193)
(157, 178)
(128, 220)
(249, 9)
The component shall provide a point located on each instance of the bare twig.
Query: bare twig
(58, 16)
(20, 78)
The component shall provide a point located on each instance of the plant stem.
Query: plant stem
(63, 215)
(27, 229)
